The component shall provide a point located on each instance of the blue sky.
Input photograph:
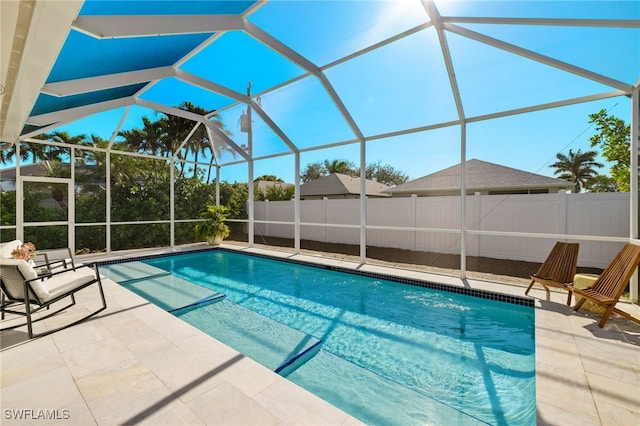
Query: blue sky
(404, 85)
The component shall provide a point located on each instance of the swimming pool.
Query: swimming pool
(383, 351)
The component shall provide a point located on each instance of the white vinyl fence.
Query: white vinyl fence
(337, 221)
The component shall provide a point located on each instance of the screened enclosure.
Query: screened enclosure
(122, 120)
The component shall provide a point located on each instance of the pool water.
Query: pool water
(385, 352)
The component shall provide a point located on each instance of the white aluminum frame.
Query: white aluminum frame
(50, 15)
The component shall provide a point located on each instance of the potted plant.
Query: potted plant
(213, 229)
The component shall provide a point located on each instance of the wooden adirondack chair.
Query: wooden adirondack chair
(610, 285)
(558, 269)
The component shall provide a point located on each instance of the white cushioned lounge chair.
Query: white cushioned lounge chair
(21, 285)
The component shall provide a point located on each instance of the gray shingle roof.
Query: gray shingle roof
(35, 169)
(480, 175)
(339, 184)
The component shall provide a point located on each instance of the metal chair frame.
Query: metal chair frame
(29, 298)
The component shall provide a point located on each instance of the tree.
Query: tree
(199, 142)
(7, 154)
(339, 166)
(601, 183)
(165, 136)
(385, 174)
(280, 193)
(39, 152)
(269, 178)
(382, 173)
(313, 171)
(141, 140)
(578, 167)
(274, 193)
(50, 153)
(95, 162)
(235, 196)
(614, 139)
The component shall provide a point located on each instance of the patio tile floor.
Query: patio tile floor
(137, 364)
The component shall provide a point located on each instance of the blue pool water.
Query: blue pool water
(385, 352)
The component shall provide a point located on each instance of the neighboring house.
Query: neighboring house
(340, 186)
(8, 175)
(483, 177)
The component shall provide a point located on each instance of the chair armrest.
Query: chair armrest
(51, 264)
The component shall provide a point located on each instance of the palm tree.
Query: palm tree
(339, 166)
(577, 167)
(37, 152)
(9, 152)
(65, 137)
(220, 146)
(94, 162)
(199, 142)
(164, 136)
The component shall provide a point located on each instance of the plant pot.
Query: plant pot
(215, 241)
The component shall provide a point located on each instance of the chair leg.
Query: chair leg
(605, 316)
(104, 301)
(569, 298)
(27, 308)
(529, 288)
(626, 315)
(579, 304)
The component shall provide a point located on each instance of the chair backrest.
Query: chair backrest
(55, 256)
(13, 274)
(561, 263)
(8, 247)
(613, 280)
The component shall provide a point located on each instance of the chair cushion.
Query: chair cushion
(29, 273)
(8, 247)
(66, 281)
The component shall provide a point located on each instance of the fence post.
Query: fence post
(562, 212)
(325, 201)
(267, 218)
(477, 197)
(414, 201)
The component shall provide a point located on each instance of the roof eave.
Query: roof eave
(46, 31)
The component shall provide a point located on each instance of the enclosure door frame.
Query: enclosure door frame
(70, 222)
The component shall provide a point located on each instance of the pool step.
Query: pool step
(123, 273)
(171, 293)
(271, 343)
(404, 406)
(299, 360)
(214, 298)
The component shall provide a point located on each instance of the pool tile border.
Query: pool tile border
(483, 294)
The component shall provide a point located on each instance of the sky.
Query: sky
(405, 85)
